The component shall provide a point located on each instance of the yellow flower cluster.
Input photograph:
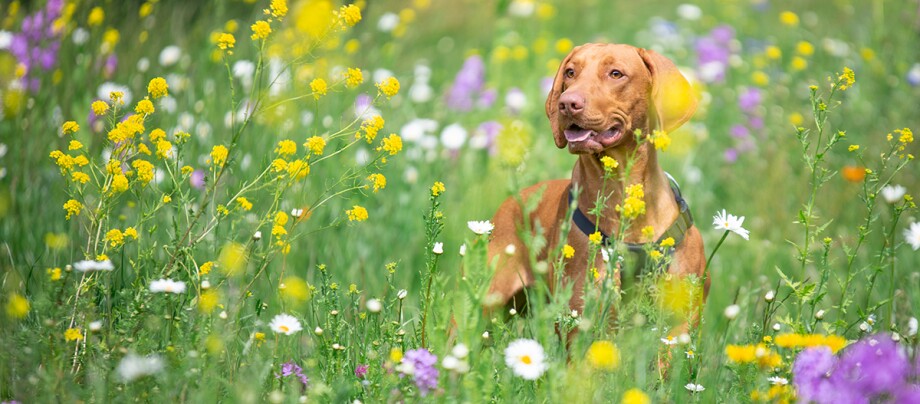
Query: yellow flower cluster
(73, 334)
(776, 394)
(437, 188)
(144, 107)
(286, 148)
(353, 77)
(279, 8)
(356, 214)
(350, 14)
(158, 87)
(834, 342)
(389, 87)
(244, 203)
(260, 30)
(17, 306)
(319, 88)
(127, 129)
(668, 242)
(660, 139)
(219, 155)
(596, 238)
(73, 208)
(634, 205)
(96, 16)
(378, 180)
(906, 137)
(70, 127)
(115, 238)
(391, 144)
(206, 268)
(568, 251)
(316, 144)
(74, 145)
(635, 396)
(226, 41)
(371, 126)
(789, 18)
(100, 107)
(847, 79)
(67, 162)
(119, 184)
(603, 355)
(760, 354)
(144, 171)
(208, 301)
(54, 274)
(609, 163)
(298, 169)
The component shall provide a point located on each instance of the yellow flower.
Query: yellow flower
(655, 255)
(437, 188)
(144, 107)
(835, 343)
(379, 181)
(100, 107)
(73, 208)
(279, 8)
(96, 15)
(633, 205)
(74, 145)
(70, 127)
(117, 97)
(805, 48)
(64, 161)
(144, 171)
(316, 145)
(119, 184)
(853, 147)
(798, 63)
(226, 41)
(609, 163)
(279, 231)
(294, 289)
(760, 78)
(568, 251)
(54, 274)
(131, 232)
(351, 14)
(389, 86)
(319, 88)
(205, 268)
(164, 149)
(907, 136)
(260, 30)
(186, 170)
(773, 52)
(848, 78)
(279, 165)
(286, 148)
(259, 337)
(668, 242)
(391, 144)
(298, 169)
(244, 203)
(17, 306)
(635, 396)
(789, 18)
(158, 87)
(356, 214)
(371, 126)
(596, 237)
(208, 301)
(281, 218)
(73, 334)
(157, 135)
(115, 238)
(353, 77)
(219, 155)
(77, 176)
(660, 139)
(564, 45)
(603, 355)
(167, 199)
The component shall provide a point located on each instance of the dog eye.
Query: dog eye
(569, 73)
(616, 74)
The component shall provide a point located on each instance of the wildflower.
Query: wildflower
(316, 145)
(789, 18)
(603, 355)
(389, 87)
(776, 380)
(219, 155)
(100, 107)
(279, 8)
(912, 235)
(438, 248)
(853, 173)
(595, 238)
(420, 364)
(285, 324)
(294, 289)
(401, 294)
(298, 169)
(54, 274)
(144, 107)
(353, 77)
(17, 306)
(70, 127)
(226, 41)
(286, 148)
(835, 343)
(848, 78)
(133, 366)
(853, 147)
(510, 249)
(805, 48)
(319, 88)
(769, 296)
(350, 14)
(115, 238)
(101, 263)
(361, 371)
(379, 181)
(670, 340)
(633, 206)
(635, 396)
(96, 16)
(205, 268)
(732, 311)
(144, 171)
(356, 214)
(167, 199)
(609, 163)
(694, 388)
(437, 188)
(526, 358)
(73, 208)
(668, 242)
(391, 144)
(648, 232)
(158, 88)
(728, 222)
(260, 30)
(660, 140)
(73, 334)
(568, 251)
(167, 286)
(119, 184)
(374, 306)
(481, 227)
(907, 136)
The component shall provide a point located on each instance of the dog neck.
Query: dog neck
(661, 209)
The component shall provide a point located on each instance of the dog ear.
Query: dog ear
(672, 100)
(552, 102)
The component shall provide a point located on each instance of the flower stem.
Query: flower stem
(719, 244)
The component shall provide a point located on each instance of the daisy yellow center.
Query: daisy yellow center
(284, 328)
(526, 359)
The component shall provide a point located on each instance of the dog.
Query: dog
(601, 94)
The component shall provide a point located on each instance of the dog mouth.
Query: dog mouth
(584, 140)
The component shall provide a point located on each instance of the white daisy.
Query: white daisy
(778, 380)
(725, 221)
(693, 387)
(481, 227)
(893, 193)
(167, 286)
(92, 265)
(285, 324)
(913, 235)
(134, 366)
(526, 358)
(669, 341)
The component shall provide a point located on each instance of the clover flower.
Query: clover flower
(526, 358)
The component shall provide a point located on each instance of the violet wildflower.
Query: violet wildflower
(419, 363)
(811, 374)
(197, 179)
(872, 366)
(713, 52)
(361, 371)
(290, 368)
(467, 85)
(749, 99)
(37, 45)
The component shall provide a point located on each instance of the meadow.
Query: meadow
(250, 201)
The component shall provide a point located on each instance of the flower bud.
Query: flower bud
(769, 296)
(374, 306)
(257, 235)
(438, 248)
(732, 311)
(819, 315)
(402, 294)
(318, 331)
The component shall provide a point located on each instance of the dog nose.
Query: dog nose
(571, 103)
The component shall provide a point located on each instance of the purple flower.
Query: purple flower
(750, 99)
(713, 52)
(811, 373)
(290, 368)
(490, 130)
(739, 131)
(872, 366)
(467, 85)
(420, 363)
(197, 179)
(361, 371)
(730, 155)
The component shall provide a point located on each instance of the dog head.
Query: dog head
(602, 93)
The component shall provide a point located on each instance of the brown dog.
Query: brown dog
(601, 94)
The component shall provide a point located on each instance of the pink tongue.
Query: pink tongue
(577, 135)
